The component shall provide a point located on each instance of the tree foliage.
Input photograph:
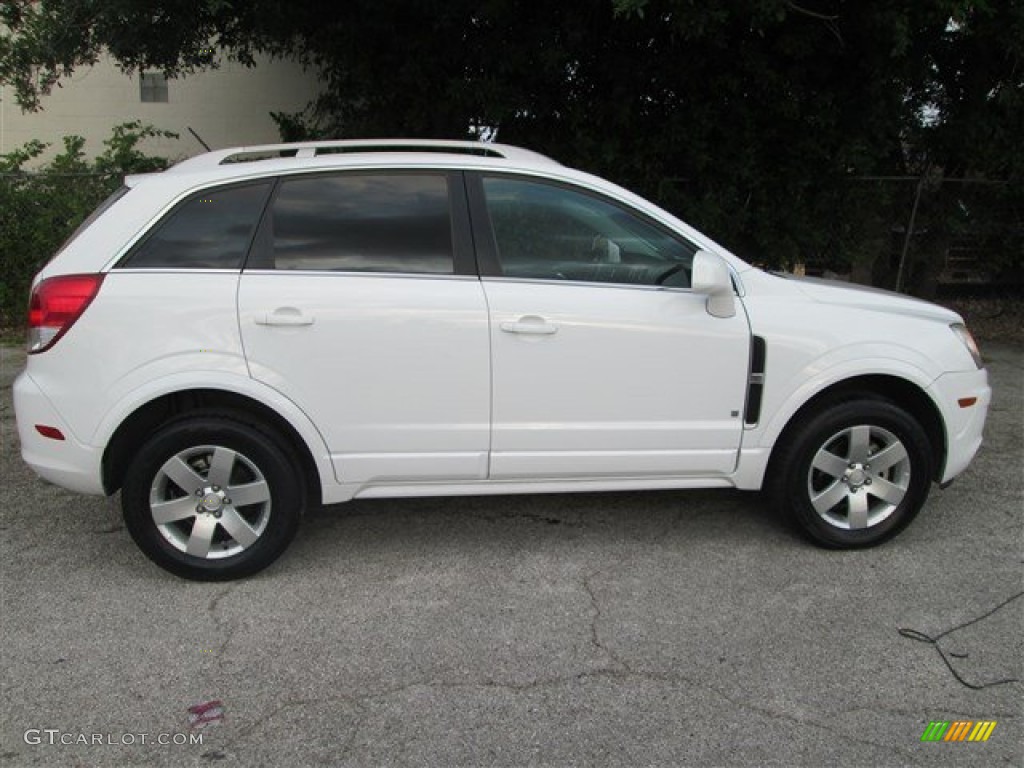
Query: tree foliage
(754, 119)
(39, 209)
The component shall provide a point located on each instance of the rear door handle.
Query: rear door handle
(530, 325)
(284, 316)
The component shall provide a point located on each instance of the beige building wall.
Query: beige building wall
(228, 106)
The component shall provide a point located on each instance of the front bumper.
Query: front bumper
(964, 423)
(67, 463)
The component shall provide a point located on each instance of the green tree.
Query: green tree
(754, 119)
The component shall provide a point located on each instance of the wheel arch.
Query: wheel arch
(894, 389)
(155, 413)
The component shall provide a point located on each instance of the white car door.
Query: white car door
(360, 304)
(605, 364)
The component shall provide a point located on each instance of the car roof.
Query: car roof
(274, 157)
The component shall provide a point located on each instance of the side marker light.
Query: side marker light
(51, 432)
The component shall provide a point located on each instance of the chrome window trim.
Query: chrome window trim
(358, 273)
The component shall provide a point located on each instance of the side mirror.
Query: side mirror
(710, 276)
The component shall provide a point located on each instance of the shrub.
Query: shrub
(39, 209)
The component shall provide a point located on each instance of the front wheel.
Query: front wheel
(210, 498)
(855, 474)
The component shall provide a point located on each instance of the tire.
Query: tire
(210, 498)
(854, 475)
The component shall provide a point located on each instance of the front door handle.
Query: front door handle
(530, 325)
(284, 316)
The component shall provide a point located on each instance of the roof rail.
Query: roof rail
(308, 149)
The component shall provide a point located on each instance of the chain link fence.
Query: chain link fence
(926, 235)
(949, 237)
(38, 211)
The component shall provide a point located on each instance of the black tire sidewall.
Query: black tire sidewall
(790, 492)
(261, 448)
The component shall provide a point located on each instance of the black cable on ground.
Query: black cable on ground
(914, 634)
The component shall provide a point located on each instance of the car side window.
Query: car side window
(361, 222)
(210, 230)
(552, 232)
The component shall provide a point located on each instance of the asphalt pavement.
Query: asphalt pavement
(626, 629)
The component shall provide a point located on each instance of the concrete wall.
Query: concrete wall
(227, 107)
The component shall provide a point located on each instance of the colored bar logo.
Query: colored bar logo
(958, 730)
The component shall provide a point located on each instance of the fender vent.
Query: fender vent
(755, 384)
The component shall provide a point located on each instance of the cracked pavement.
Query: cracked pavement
(655, 629)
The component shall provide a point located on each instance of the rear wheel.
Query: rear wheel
(211, 498)
(855, 474)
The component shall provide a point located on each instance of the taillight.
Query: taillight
(55, 305)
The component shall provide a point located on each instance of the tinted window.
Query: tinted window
(211, 230)
(364, 223)
(550, 232)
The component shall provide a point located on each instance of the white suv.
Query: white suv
(260, 329)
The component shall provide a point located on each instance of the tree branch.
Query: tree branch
(812, 14)
(829, 21)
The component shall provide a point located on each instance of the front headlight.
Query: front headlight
(972, 346)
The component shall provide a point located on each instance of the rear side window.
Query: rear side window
(210, 230)
(361, 222)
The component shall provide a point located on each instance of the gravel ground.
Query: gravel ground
(628, 629)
